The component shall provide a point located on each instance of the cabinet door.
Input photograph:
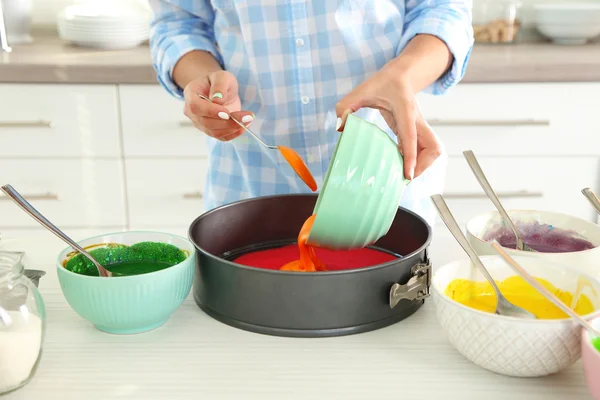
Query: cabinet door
(43, 120)
(165, 193)
(81, 193)
(542, 183)
(154, 124)
(553, 119)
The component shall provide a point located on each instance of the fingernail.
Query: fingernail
(247, 119)
(223, 115)
(217, 95)
(338, 124)
(411, 176)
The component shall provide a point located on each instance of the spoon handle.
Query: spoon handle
(487, 188)
(454, 228)
(540, 288)
(592, 198)
(35, 214)
(242, 126)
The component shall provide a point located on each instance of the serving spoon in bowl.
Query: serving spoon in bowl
(594, 333)
(503, 306)
(35, 214)
(487, 188)
(592, 198)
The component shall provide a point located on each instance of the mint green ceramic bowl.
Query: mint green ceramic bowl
(129, 304)
(362, 189)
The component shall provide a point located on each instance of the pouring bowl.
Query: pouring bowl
(362, 188)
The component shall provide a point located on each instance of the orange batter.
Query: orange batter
(299, 166)
(308, 261)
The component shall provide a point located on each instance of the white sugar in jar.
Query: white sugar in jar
(22, 324)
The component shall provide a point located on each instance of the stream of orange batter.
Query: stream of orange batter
(308, 261)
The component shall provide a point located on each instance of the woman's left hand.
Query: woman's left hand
(392, 94)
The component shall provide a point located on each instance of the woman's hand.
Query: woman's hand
(214, 118)
(394, 97)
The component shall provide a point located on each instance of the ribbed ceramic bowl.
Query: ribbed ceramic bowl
(509, 345)
(129, 304)
(362, 189)
(591, 362)
(586, 261)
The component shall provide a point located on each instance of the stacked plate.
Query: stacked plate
(104, 26)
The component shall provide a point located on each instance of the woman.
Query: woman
(294, 69)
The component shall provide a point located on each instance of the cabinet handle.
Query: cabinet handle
(35, 196)
(27, 124)
(193, 196)
(516, 122)
(505, 195)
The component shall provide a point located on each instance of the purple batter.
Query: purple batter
(541, 237)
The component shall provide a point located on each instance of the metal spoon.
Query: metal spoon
(592, 198)
(35, 214)
(293, 158)
(503, 306)
(487, 188)
(542, 290)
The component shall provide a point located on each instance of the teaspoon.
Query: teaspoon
(592, 198)
(487, 188)
(503, 306)
(35, 214)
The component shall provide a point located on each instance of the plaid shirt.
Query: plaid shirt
(294, 60)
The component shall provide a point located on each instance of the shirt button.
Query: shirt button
(305, 100)
(299, 42)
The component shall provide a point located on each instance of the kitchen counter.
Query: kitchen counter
(195, 357)
(49, 60)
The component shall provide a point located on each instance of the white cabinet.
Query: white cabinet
(154, 124)
(539, 183)
(82, 193)
(58, 121)
(115, 157)
(528, 120)
(165, 193)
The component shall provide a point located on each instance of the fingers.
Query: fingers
(364, 95)
(406, 129)
(223, 87)
(429, 143)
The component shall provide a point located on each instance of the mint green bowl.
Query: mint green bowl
(129, 304)
(362, 189)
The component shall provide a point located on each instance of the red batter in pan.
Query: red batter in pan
(333, 260)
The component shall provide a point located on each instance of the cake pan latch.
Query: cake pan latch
(417, 287)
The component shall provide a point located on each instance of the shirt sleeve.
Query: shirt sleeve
(178, 27)
(450, 21)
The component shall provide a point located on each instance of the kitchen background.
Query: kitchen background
(90, 138)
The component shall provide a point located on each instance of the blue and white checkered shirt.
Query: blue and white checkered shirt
(294, 60)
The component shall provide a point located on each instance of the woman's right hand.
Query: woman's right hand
(214, 118)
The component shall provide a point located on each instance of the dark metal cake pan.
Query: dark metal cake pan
(298, 304)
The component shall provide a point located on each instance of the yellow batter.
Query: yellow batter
(481, 296)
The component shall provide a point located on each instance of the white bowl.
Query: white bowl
(586, 261)
(508, 345)
(569, 34)
(568, 13)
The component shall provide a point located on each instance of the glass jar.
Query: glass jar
(22, 323)
(496, 21)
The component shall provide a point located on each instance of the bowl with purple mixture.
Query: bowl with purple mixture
(557, 237)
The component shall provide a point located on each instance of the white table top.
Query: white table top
(196, 357)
